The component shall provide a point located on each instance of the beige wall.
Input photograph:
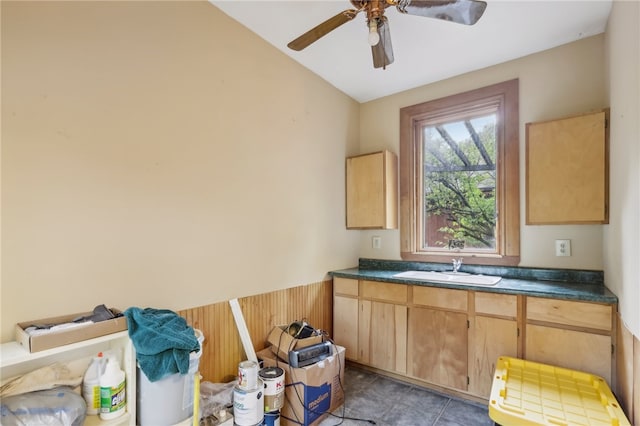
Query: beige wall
(159, 154)
(555, 83)
(622, 235)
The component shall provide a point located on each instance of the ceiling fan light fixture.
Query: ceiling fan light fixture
(374, 37)
(460, 11)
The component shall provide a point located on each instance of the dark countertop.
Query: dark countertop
(552, 283)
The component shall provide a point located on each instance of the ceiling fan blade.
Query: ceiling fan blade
(383, 51)
(461, 11)
(322, 29)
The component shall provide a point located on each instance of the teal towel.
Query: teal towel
(163, 341)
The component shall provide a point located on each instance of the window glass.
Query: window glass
(459, 191)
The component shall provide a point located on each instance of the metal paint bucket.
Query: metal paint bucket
(248, 406)
(273, 379)
(248, 375)
(272, 418)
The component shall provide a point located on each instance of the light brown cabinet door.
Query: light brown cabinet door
(567, 169)
(438, 347)
(383, 335)
(492, 338)
(577, 350)
(372, 191)
(345, 325)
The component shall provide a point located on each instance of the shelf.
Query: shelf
(13, 353)
(97, 421)
(16, 360)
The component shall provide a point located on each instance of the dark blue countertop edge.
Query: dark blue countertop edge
(552, 283)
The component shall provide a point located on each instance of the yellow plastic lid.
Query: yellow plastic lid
(527, 393)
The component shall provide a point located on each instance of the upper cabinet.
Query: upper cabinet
(567, 170)
(372, 191)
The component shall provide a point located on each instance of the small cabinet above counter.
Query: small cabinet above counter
(567, 170)
(372, 191)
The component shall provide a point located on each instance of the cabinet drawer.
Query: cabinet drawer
(496, 304)
(578, 314)
(345, 286)
(386, 292)
(440, 298)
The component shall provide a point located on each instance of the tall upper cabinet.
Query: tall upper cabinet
(372, 191)
(567, 170)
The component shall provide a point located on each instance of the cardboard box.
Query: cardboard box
(62, 337)
(282, 342)
(310, 392)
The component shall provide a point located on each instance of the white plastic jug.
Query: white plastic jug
(113, 397)
(91, 384)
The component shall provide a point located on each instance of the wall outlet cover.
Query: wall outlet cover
(563, 247)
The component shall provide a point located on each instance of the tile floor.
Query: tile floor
(389, 402)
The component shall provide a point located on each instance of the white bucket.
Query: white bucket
(168, 401)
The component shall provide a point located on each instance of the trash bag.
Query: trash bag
(52, 407)
(214, 398)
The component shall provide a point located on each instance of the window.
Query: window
(459, 179)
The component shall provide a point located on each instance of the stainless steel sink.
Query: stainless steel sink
(450, 277)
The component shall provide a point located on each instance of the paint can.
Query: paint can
(248, 375)
(248, 406)
(272, 418)
(273, 379)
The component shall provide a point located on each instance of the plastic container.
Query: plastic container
(527, 393)
(91, 384)
(113, 397)
(168, 401)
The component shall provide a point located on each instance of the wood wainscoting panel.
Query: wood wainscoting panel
(222, 349)
(624, 368)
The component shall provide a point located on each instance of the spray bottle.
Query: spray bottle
(113, 398)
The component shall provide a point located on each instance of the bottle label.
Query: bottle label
(95, 398)
(112, 399)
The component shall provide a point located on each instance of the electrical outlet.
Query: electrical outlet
(376, 242)
(563, 247)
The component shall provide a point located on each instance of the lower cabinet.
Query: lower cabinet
(492, 338)
(345, 316)
(382, 337)
(570, 334)
(438, 336)
(452, 338)
(494, 332)
(382, 326)
(577, 350)
(345, 325)
(438, 347)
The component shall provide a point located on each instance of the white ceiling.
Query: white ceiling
(426, 50)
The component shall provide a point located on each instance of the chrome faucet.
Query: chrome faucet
(457, 263)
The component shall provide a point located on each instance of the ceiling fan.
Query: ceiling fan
(461, 11)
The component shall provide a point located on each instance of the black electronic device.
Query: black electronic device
(309, 355)
(300, 330)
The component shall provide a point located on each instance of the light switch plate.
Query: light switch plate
(376, 242)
